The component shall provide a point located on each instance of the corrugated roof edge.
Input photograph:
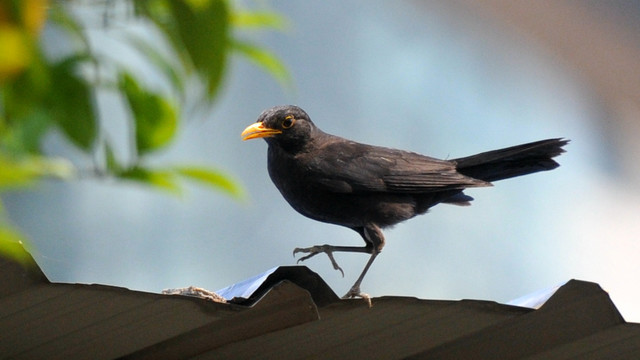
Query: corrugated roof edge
(287, 305)
(249, 292)
(19, 276)
(537, 298)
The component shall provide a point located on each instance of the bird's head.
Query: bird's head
(287, 126)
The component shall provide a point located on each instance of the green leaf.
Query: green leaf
(24, 171)
(111, 161)
(155, 117)
(26, 131)
(160, 179)
(71, 104)
(212, 178)
(202, 28)
(24, 105)
(265, 59)
(258, 20)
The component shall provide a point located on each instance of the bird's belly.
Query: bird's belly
(317, 201)
(351, 210)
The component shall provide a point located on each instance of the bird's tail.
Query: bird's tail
(512, 161)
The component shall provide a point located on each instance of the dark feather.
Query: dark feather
(512, 161)
(360, 168)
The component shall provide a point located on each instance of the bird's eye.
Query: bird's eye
(288, 122)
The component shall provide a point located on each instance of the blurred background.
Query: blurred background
(443, 78)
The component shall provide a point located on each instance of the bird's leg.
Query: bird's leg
(329, 250)
(373, 237)
(355, 289)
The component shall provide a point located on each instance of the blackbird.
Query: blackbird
(367, 188)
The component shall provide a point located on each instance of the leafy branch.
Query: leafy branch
(40, 93)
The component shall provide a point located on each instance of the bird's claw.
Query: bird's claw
(315, 250)
(355, 292)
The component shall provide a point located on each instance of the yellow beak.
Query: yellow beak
(257, 130)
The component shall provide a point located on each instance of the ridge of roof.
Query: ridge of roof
(250, 291)
(289, 312)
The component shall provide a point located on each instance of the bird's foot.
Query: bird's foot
(315, 250)
(355, 293)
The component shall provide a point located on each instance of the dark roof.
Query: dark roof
(291, 313)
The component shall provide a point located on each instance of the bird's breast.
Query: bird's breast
(291, 175)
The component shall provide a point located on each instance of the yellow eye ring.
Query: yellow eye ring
(288, 121)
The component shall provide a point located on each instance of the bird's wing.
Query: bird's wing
(350, 167)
